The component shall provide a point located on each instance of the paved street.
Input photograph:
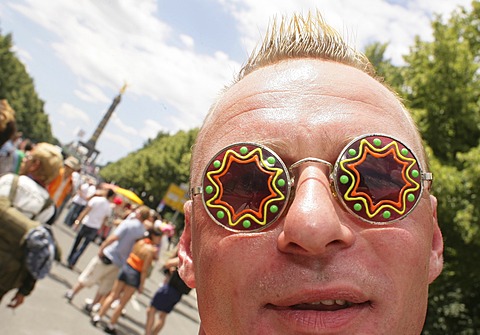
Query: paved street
(46, 311)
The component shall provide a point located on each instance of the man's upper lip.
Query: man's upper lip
(310, 296)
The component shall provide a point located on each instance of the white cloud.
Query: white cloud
(91, 93)
(23, 54)
(122, 126)
(107, 43)
(151, 129)
(73, 113)
(119, 139)
(360, 21)
(187, 41)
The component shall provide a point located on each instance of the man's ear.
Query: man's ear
(436, 255)
(186, 266)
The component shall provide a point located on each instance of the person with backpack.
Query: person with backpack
(24, 206)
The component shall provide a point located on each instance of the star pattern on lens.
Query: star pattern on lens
(392, 157)
(269, 175)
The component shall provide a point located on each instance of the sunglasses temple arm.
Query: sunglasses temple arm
(195, 191)
(428, 178)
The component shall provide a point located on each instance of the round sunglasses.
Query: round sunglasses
(246, 186)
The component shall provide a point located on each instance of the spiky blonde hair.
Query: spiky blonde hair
(306, 36)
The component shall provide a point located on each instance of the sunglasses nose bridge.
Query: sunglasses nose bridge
(297, 164)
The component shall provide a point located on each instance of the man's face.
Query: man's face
(317, 269)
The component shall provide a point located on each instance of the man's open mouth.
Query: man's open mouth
(322, 305)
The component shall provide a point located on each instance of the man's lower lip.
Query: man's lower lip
(306, 321)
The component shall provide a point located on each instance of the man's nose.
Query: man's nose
(312, 225)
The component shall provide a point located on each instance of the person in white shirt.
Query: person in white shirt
(96, 213)
(79, 201)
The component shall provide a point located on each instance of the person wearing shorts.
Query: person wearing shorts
(103, 269)
(99, 270)
(132, 277)
(166, 297)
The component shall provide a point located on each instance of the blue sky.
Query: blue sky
(175, 56)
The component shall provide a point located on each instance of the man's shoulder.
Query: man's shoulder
(129, 225)
(98, 200)
(29, 184)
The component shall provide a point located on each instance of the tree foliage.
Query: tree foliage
(442, 78)
(18, 88)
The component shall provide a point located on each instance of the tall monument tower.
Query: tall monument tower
(92, 152)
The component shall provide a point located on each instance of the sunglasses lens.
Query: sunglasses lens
(378, 179)
(245, 187)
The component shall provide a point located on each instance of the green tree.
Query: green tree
(442, 80)
(18, 88)
(391, 74)
(150, 170)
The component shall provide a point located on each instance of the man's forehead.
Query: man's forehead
(318, 87)
(320, 76)
(296, 83)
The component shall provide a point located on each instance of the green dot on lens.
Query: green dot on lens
(344, 179)
(271, 160)
(377, 142)
(411, 197)
(273, 209)
(352, 152)
(404, 151)
(216, 164)
(357, 207)
(246, 224)
(281, 182)
(387, 214)
(415, 173)
(220, 214)
(243, 150)
(209, 189)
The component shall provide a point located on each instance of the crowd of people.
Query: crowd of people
(40, 181)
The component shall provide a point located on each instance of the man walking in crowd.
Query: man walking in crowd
(91, 218)
(310, 210)
(31, 198)
(80, 200)
(103, 269)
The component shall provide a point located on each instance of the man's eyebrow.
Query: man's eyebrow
(277, 145)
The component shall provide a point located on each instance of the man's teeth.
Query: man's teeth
(329, 302)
